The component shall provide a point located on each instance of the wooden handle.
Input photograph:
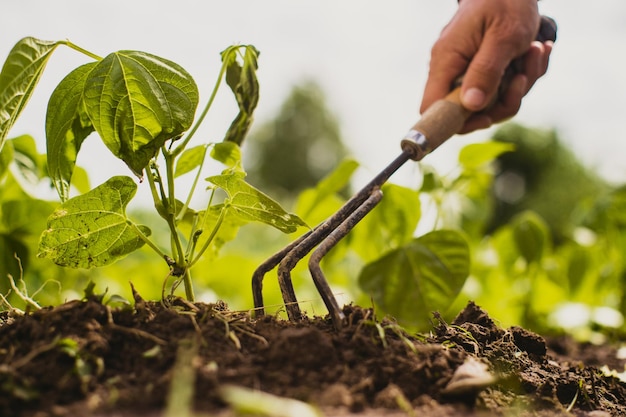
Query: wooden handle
(440, 122)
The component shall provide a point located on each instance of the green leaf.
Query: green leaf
(242, 80)
(228, 153)
(10, 248)
(20, 73)
(189, 160)
(431, 181)
(80, 179)
(420, 277)
(67, 126)
(250, 204)
(477, 154)
(578, 265)
(6, 157)
(136, 102)
(227, 231)
(29, 162)
(92, 229)
(531, 235)
(390, 224)
(23, 217)
(332, 184)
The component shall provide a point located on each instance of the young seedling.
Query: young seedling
(143, 109)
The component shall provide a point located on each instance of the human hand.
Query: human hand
(481, 40)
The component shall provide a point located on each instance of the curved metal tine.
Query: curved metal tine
(306, 245)
(299, 251)
(287, 258)
(327, 244)
(264, 268)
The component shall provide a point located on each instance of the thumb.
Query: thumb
(482, 78)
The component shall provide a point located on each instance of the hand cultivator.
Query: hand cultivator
(441, 121)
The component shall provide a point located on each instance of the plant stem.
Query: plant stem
(81, 50)
(155, 194)
(22, 294)
(197, 231)
(145, 238)
(183, 211)
(169, 174)
(189, 293)
(170, 207)
(169, 216)
(218, 223)
(200, 119)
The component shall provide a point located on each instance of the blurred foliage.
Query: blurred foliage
(297, 148)
(547, 236)
(544, 176)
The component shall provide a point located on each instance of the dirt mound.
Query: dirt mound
(84, 358)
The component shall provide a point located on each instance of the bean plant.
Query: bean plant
(143, 108)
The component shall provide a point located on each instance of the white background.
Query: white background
(371, 58)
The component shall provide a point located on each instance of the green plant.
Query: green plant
(142, 107)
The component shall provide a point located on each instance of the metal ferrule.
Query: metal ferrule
(416, 144)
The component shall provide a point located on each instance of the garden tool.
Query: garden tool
(441, 121)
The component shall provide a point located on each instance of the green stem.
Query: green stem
(194, 235)
(187, 282)
(200, 119)
(145, 238)
(81, 50)
(197, 231)
(218, 223)
(170, 208)
(155, 194)
(183, 211)
(169, 173)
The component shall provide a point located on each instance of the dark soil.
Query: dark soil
(84, 358)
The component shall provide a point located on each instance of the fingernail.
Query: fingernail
(474, 99)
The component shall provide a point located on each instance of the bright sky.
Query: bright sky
(371, 57)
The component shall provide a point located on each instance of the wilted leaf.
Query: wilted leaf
(250, 204)
(92, 229)
(136, 102)
(67, 126)
(20, 73)
(420, 277)
(241, 78)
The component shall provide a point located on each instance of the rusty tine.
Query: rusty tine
(440, 121)
(327, 235)
(327, 244)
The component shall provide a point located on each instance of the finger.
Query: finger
(533, 63)
(510, 101)
(476, 122)
(480, 83)
(445, 67)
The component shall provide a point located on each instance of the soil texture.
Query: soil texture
(84, 358)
